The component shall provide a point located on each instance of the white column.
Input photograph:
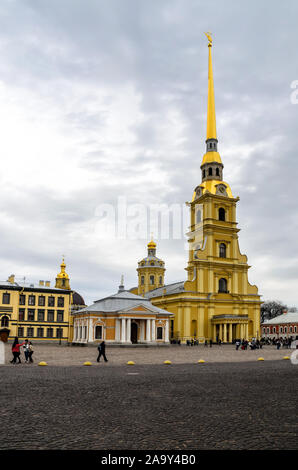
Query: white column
(123, 330)
(167, 332)
(142, 327)
(128, 330)
(90, 333)
(153, 330)
(117, 330)
(148, 331)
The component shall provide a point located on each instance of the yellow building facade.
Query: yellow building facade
(39, 312)
(216, 302)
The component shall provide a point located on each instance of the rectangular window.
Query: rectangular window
(60, 301)
(31, 300)
(6, 298)
(40, 332)
(51, 301)
(60, 315)
(50, 315)
(41, 300)
(30, 332)
(40, 315)
(59, 333)
(31, 315)
(20, 332)
(21, 314)
(50, 332)
(98, 332)
(22, 299)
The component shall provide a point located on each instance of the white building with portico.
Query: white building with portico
(123, 318)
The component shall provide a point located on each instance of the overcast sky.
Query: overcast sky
(107, 99)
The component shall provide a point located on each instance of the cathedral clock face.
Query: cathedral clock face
(221, 190)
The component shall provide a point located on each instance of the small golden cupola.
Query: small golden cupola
(150, 270)
(62, 279)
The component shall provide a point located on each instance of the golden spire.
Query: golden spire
(211, 120)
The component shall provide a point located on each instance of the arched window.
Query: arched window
(217, 172)
(210, 172)
(142, 280)
(198, 216)
(152, 280)
(222, 250)
(223, 285)
(160, 280)
(4, 321)
(221, 214)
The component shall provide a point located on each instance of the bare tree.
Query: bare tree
(271, 309)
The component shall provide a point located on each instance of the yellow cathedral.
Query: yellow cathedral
(216, 302)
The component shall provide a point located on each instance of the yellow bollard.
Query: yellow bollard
(130, 363)
(42, 363)
(87, 363)
(286, 357)
(167, 362)
(201, 361)
(261, 359)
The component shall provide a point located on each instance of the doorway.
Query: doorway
(134, 333)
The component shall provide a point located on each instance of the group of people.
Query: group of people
(16, 351)
(279, 342)
(244, 344)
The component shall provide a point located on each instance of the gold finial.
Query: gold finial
(209, 37)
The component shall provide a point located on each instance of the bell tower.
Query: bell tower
(150, 271)
(62, 279)
(216, 269)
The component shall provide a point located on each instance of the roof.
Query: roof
(166, 290)
(77, 299)
(290, 317)
(29, 286)
(120, 302)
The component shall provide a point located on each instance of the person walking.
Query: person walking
(26, 351)
(237, 344)
(102, 351)
(16, 351)
(210, 343)
(30, 351)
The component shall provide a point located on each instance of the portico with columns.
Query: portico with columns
(228, 328)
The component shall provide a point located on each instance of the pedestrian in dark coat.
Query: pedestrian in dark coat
(102, 351)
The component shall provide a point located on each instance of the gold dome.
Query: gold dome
(151, 245)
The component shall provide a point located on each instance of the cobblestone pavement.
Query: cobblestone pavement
(244, 405)
(77, 355)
